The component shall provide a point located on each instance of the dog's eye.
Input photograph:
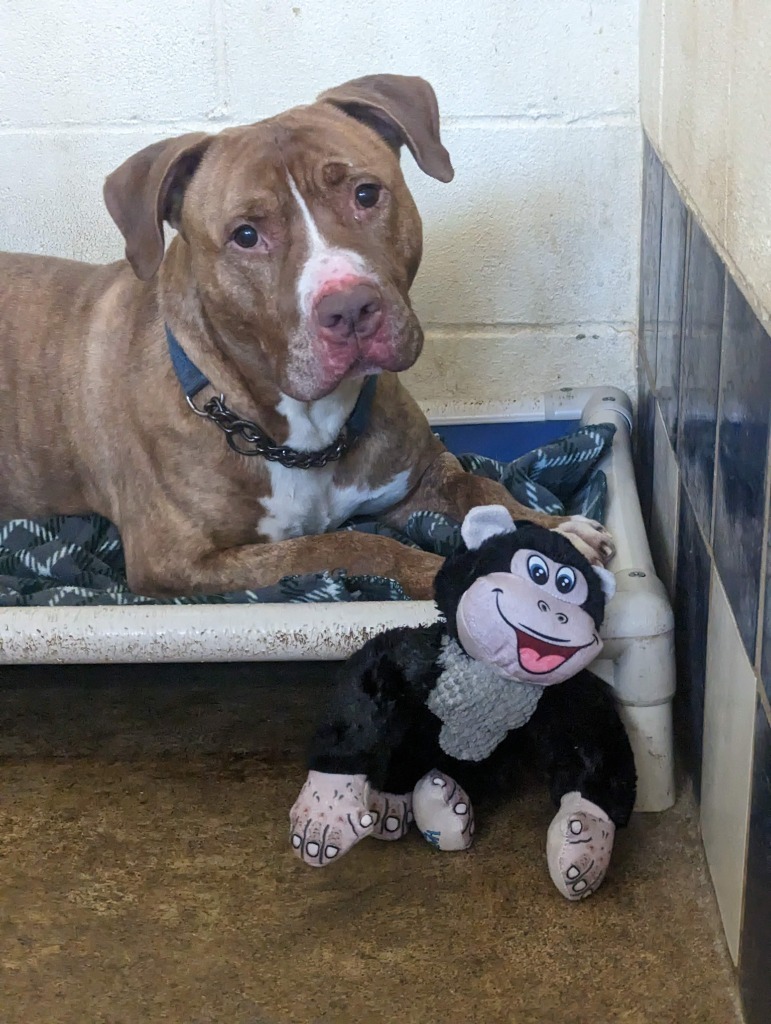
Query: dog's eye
(537, 570)
(565, 580)
(245, 236)
(367, 195)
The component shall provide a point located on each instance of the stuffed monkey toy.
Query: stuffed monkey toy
(425, 720)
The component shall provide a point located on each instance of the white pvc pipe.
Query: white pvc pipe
(650, 733)
(624, 518)
(194, 633)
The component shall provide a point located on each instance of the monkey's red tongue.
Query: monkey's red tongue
(539, 656)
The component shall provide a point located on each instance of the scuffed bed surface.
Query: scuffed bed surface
(78, 560)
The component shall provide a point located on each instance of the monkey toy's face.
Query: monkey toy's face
(530, 622)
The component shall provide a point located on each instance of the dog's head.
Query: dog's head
(299, 231)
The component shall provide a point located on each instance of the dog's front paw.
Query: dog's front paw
(330, 815)
(590, 537)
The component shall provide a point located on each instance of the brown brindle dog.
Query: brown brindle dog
(286, 287)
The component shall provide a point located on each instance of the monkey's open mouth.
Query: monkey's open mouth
(539, 656)
(537, 653)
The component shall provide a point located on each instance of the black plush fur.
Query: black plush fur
(378, 723)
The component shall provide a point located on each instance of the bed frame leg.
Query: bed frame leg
(650, 733)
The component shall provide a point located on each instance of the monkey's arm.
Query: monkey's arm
(378, 702)
(382, 691)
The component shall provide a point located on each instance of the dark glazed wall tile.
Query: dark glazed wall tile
(755, 953)
(650, 251)
(643, 447)
(765, 663)
(691, 618)
(674, 231)
(700, 375)
(745, 407)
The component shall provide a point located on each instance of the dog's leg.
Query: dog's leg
(447, 488)
(163, 569)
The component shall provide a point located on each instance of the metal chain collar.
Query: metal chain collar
(238, 430)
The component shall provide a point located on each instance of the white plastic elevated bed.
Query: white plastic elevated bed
(638, 631)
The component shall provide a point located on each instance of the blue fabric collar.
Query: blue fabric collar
(193, 380)
(188, 374)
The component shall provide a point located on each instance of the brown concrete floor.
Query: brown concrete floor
(145, 877)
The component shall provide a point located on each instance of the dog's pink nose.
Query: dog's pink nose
(349, 312)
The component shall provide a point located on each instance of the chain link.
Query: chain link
(237, 429)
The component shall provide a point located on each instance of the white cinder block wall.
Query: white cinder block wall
(531, 267)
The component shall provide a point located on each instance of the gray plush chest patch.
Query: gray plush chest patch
(476, 705)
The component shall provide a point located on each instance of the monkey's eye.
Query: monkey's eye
(537, 570)
(565, 579)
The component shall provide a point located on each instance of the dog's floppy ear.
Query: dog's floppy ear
(146, 190)
(403, 110)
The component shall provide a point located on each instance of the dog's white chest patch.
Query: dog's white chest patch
(308, 501)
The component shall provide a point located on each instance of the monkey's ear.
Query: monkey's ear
(483, 522)
(607, 581)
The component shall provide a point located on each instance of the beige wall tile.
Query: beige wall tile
(695, 107)
(748, 227)
(729, 717)
(651, 54)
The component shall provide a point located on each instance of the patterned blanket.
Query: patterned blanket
(76, 560)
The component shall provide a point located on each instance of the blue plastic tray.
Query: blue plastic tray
(503, 441)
